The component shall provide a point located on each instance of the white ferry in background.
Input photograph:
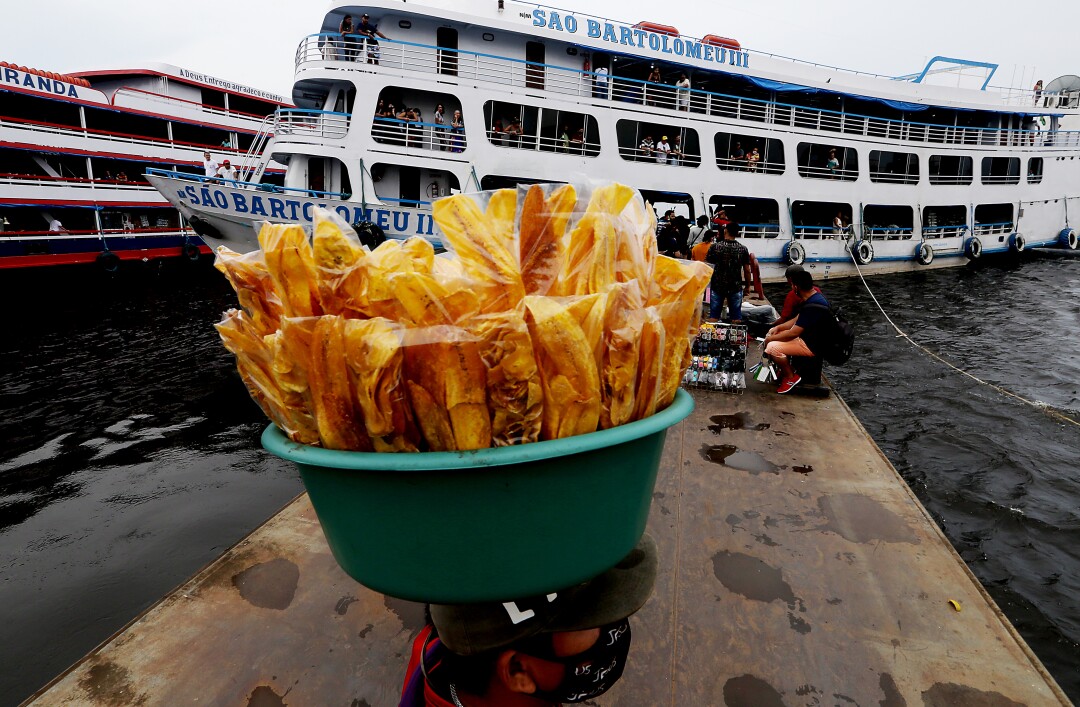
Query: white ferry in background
(925, 174)
(74, 149)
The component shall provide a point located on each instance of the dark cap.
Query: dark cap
(469, 629)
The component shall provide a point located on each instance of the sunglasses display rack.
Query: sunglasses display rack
(719, 358)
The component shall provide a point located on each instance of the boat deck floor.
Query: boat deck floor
(797, 568)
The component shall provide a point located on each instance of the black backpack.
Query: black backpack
(837, 338)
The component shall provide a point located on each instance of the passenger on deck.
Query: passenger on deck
(210, 167)
(752, 159)
(798, 336)
(226, 172)
(731, 274)
(1038, 91)
(652, 93)
(738, 156)
(369, 32)
(122, 176)
(676, 151)
(645, 149)
(577, 142)
(832, 164)
(600, 82)
(513, 133)
(440, 127)
(56, 227)
(564, 139)
(662, 150)
(838, 226)
(345, 28)
(458, 126)
(667, 236)
(720, 219)
(683, 94)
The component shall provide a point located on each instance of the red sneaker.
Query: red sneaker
(787, 384)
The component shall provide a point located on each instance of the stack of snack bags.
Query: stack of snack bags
(553, 316)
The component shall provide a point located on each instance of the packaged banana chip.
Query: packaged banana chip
(552, 315)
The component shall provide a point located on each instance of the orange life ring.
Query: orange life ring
(657, 28)
(716, 40)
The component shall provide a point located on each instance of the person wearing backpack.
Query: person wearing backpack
(809, 334)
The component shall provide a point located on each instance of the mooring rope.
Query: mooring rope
(1056, 414)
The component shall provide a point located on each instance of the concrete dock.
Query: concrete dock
(797, 568)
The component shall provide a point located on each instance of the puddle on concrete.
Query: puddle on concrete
(751, 578)
(750, 691)
(893, 698)
(948, 694)
(109, 683)
(861, 519)
(269, 585)
(738, 421)
(264, 696)
(730, 456)
(802, 468)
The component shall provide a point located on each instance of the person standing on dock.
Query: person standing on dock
(801, 335)
(731, 274)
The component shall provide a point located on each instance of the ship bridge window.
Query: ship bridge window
(886, 222)
(994, 221)
(894, 167)
(944, 221)
(813, 220)
(1001, 170)
(639, 142)
(817, 161)
(325, 177)
(737, 152)
(544, 129)
(1035, 170)
(412, 187)
(758, 218)
(950, 169)
(406, 118)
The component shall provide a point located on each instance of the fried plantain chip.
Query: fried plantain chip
(253, 285)
(543, 230)
(514, 392)
(678, 287)
(335, 251)
(292, 267)
(340, 423)
(375, 356)
(501, 210)
(567, 369)
(621, 352)
(484, 255)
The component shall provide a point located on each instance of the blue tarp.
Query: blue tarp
(781, 87)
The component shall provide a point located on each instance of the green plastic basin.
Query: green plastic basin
(487, 525)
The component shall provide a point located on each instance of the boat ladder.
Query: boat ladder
(254, 163)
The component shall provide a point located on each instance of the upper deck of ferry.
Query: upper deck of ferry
(538, 50)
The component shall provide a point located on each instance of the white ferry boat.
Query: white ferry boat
(895, 173)
(74, 148)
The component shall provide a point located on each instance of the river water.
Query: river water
(130, 454)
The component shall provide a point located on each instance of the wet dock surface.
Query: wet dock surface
(797, 568)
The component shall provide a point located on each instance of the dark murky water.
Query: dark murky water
(130, 452)
(130, 455)
(999, 477)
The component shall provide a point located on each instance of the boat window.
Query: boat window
(412, 186)
(638, 142)
(544, 129)
(894, 167)
(407, 119)
(534, 70)
(994, 219)
(1001, 170)
(325, 177)
(736, 152)
(888, 222)
(944, 221)
(1035, 170)
(818, 161)
(404, 24)
(950, 169)
(813, 220)
(758, 218)
(447, 40)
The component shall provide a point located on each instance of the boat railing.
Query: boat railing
(887, 233)
(410, 203)
(238, 183)
(43, 180)
(894, 177)
(820, 232)
(412, 133)
(1001, 179)
(493, 69)
(76, 233)
(760, 230)
(843, 175)
(993, 229)
(932, 232)
(541, 143)
(951, 178)
(737, 165)
(298, 123)
(111, 136)
(637, 154)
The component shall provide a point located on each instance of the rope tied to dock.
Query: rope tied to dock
(1047, 409)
